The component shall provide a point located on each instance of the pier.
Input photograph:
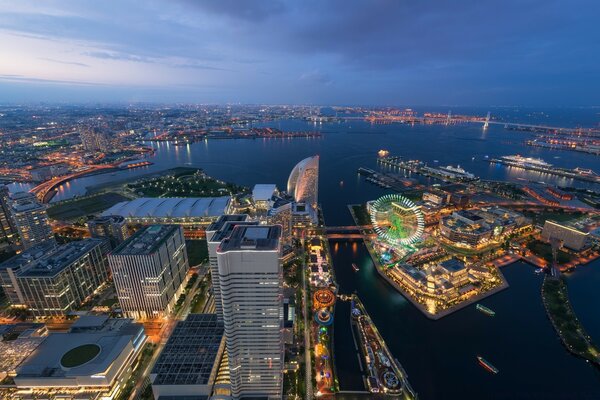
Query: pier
(383, 373)
(574, 174)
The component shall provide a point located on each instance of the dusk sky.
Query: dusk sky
(402, 52)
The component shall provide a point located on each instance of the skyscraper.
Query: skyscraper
(303, 183)
(215, 233)
(8, 230)
(111, 227)
(31, 219)
(149, 270)
(251, 280)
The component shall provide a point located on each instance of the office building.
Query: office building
(568, 235)
(59, 282)
(110, 227)
(93, 361)
(31, 219)
(149, 271)
(251, 280)
(193, 214)
(8, 230)
(10, 268)
(188, 364)
(95, 139)
(215, 233)
(303, 182)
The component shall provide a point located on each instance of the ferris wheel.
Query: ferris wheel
(397, 220)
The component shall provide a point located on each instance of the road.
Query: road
(307, 348)
(166, 331)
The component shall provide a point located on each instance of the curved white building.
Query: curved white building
(303, 183)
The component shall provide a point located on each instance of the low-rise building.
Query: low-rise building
(568, 235)
(193, 214)
(92, 361)
(110, 227)
(189, 362)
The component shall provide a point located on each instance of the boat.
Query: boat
(486, 364)
(485, 310)
(539, 270)
(355, 267)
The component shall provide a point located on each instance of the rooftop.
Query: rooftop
(55, 261)
(190, 353)
(45, 362)
(227, 228)
(218, 224)
(29, 255)
(252, 237)
(453, 265)
(263, 192)
(175, 207)
(146, 240)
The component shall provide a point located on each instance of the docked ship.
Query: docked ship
(485, 310)
(521, 161)
(539, 165)
(487, 365)
(355, 267)
(458, 171)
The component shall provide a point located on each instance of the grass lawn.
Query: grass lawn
(73, 209)
(197, 251)
(540, 218)
(555, 294)
(79, 355)
(544, 250)
(362, 215)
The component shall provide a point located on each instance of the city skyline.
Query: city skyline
(534, 53)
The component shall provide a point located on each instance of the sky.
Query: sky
(342, 52)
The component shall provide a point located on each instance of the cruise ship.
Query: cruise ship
(526, 161)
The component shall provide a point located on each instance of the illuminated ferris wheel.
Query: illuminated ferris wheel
(397, 220)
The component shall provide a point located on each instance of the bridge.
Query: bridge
(348, 232)
(45, 191)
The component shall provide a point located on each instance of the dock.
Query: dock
(383, 373)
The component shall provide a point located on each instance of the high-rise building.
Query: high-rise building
(303, 183)
(94, 139)
(215, 233)
(31, 219)
(251, 281)
(149, 270)
(10, 268)
(111, 227)
(281, 214)
(8, 230)
(62, 280)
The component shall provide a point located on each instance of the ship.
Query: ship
(486, 364)
(485, 310)
(355, 267)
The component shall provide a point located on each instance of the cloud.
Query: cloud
(316, 77)
(248, 10)
(111, 55)
(79, 64)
